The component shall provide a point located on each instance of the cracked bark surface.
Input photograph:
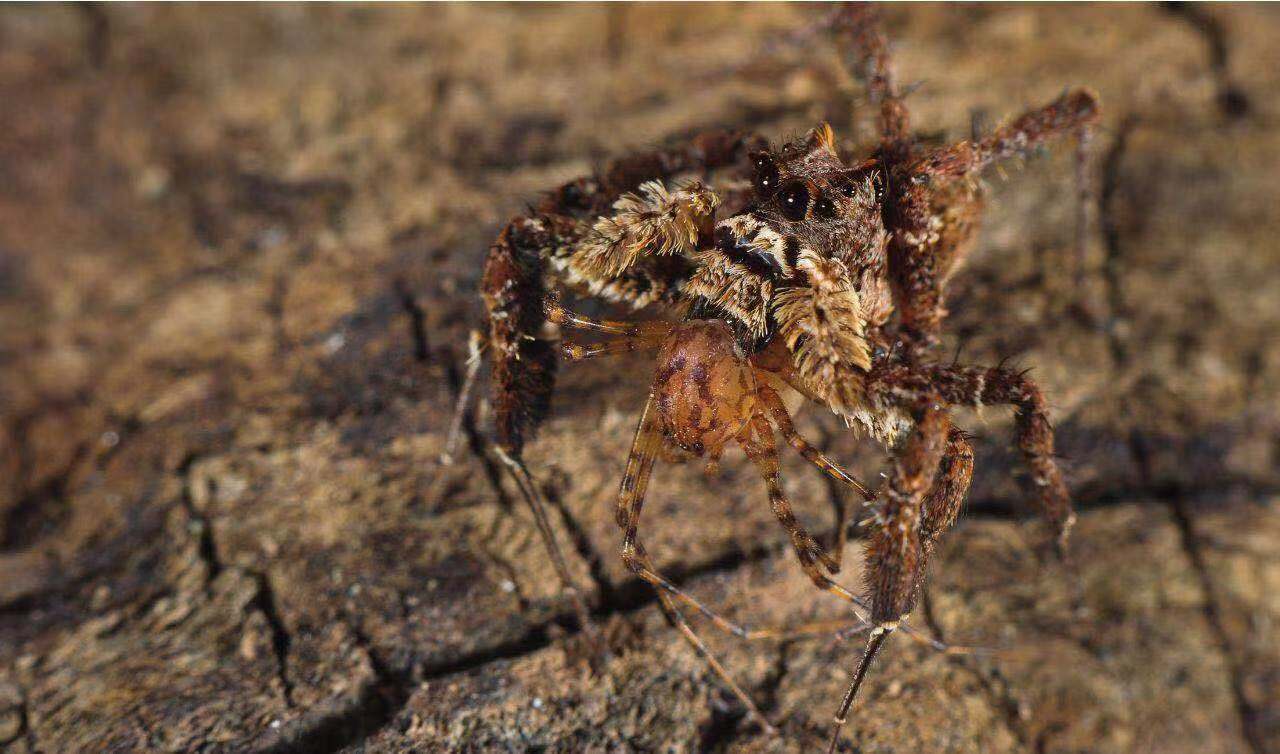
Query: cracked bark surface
(238, 250)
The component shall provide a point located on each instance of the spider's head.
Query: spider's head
(804, 262)
(808, 197)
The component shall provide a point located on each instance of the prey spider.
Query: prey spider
(789, 275)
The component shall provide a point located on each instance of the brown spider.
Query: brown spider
(783, 289)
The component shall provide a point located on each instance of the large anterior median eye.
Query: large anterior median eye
(766, 174)
(793, 198)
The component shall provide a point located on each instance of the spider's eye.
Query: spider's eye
(793, 198)
(877, 184)
(824, 207)
(766, 174)
(848, 183)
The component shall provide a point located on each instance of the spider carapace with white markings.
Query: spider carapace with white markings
(789, 275)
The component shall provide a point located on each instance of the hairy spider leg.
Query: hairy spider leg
(950, 486)
(1033, 433)
(864, 49)
(895, 556)
(918, 275)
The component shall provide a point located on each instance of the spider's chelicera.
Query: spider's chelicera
(790, 275)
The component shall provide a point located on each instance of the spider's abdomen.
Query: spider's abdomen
(704, 388)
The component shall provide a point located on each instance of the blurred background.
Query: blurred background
(238, 256)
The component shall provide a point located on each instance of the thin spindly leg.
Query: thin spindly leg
(631, 498)
(1068, 114)
(533, 496)
(634, 486)
(695, 641)
(558, 315)
(894, 552)
(475, 356)
(626, 337)
(932, 187)
(782, 418)
(865, 51)
(619, 345)
(635, 482)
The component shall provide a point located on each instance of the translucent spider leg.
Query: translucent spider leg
(557, 314)
(696, 642)
(475, 357)
(628, 337)
(533, 497)
(757, 441)
(782, 418)
(632, 336)
(635, 482)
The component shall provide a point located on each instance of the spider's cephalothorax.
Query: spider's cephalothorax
(804, 263)
(789, 275)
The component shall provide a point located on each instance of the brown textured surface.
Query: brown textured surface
(238, 253)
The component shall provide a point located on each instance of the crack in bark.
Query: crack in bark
(1211, 603)
(417, 322)
(206, 548)
(32, 510)
(995, 684)
(628, 597)
(264, 600)
(97, 41)
(337, 724)
(1175, 494)
(1112, 268)
(1232, 101)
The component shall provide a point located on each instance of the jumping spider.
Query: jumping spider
(782, 270)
